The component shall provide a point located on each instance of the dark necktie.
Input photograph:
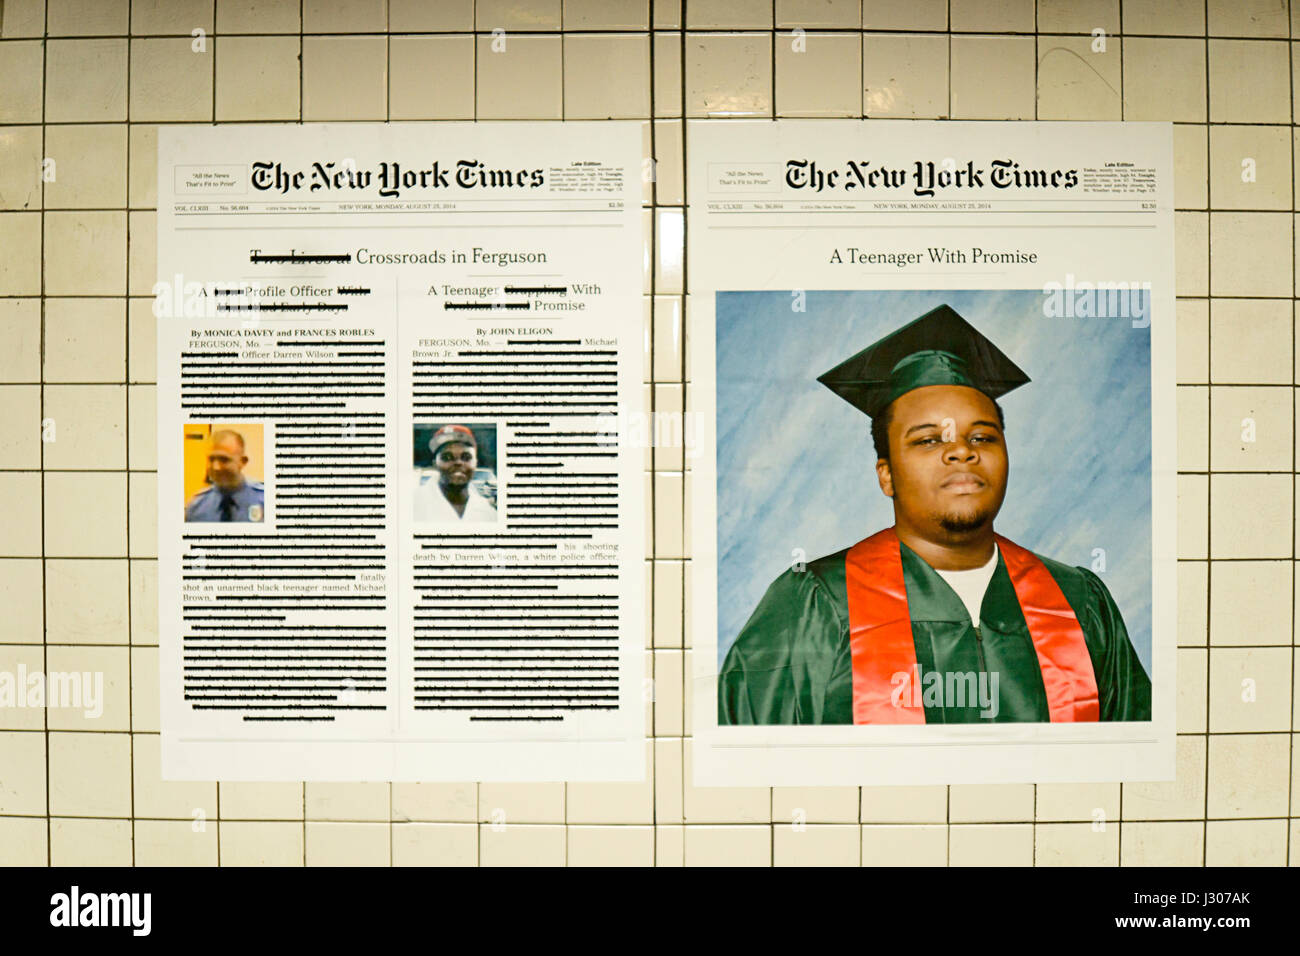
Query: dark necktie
(227, 507)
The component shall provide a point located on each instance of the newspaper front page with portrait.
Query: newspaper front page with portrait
(932, 370)
(398, 538)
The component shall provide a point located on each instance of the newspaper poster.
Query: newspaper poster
(932, 370)
(398, 538)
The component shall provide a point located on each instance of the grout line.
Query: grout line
(1209, 448)
(45, 615)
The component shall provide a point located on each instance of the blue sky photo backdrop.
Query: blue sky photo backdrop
(796, 467)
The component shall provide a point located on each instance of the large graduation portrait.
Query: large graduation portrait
(934, 507)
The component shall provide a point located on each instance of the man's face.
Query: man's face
(226, 464)
(947, 467)
(456, 462)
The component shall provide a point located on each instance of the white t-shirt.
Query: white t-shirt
(971, 585)
(431, 505)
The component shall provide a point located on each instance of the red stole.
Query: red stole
(880, 634)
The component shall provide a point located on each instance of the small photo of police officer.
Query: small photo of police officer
(229, 493)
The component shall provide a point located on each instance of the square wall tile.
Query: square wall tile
(88, 688)
(993, 77)
(520, 77)
(85, 515)
(1252, 254)
(1248, 775)
(1249, 81)
(1078, 79)
(194, 801)
(85, 253)
(86, 601)
(89, 166)
(1250, 603)
(170, 81)
(729, 74)
(85, 81)
(79, 18)
(818, 74)
(431, 77)
(1262, 530)
(1250, 690)
(1252, 427)
(90, 427)
(1250, 341)
(1164, 79)
(344, 78)
(606, 76)
(90, 774)
(1250, 167)
(257, 78)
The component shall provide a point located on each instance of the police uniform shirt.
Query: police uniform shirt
(245, 503)
(431, 505)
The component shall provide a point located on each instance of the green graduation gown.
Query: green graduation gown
(792, 664)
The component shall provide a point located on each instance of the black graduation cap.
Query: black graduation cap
(939, 348)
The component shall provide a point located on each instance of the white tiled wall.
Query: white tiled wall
(85, 83)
